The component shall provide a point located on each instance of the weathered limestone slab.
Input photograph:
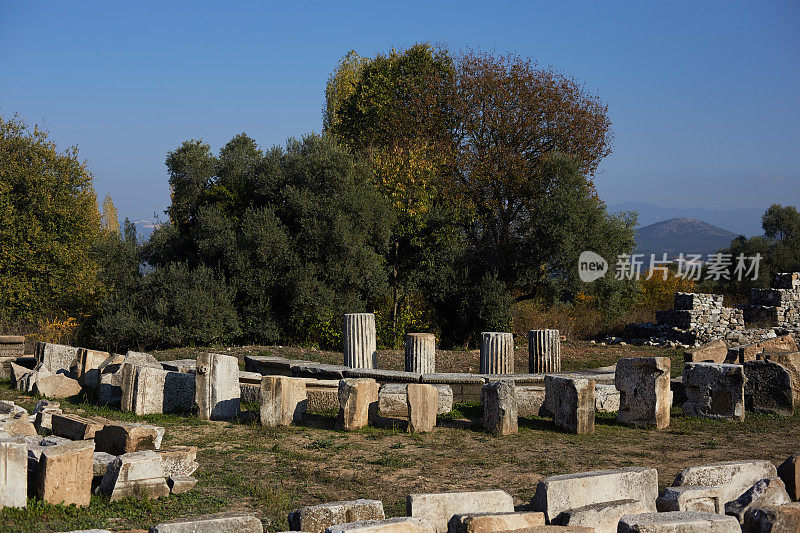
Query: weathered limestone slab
(185, 366)
(322, 398)
(358, 401)
(109, 390)
(420, 353)
(382, 376)
(57, 386)
(764, 493)
(393, 400)
(55, 357)
(118, 438)
(558, 494)
(645, 397)
(749, 352)
(500, 413)
(544, 351)
(13, 474)
(6, 373)
(691, 498)
(789, 472)
(439, 508)
(768, 388)
(497, 353)
(88, 366)
(305, 369)
(570, 401)
(715, 351)
(678, 522)
(316, 518)
(17, 425)
(179, 460)
(65, 473)
(283, 401)
(606, 398)
(100, 462)
(714, 390)
(74, 427)
(422, 407)
(12, 346)
(181, 484)
(488, 522)
(791, 362)
(44, 411)
(218, 390)
(359, 338)
(390, 525)
(149, 390)
(732, 477)
(782, 519)
(603, 517)
(215, 523)
(530, 400)
(28, 380)
(139, 474)
(268, 365)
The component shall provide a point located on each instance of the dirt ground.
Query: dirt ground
(271, 472)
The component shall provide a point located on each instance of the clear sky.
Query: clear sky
(704, 96)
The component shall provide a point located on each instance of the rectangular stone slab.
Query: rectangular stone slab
(218, 392)
(13, 474)
(486, 522)
(732, 477)
(390, 525)
(215, 523)
(74, 427)
(316, 518)
(557, 494)
(65, 473)
(268, 365)
(439, 508)
(677, 522)
(382, 376)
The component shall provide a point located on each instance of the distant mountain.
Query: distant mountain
(682, 235)
(745, 221)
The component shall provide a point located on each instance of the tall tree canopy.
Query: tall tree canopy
(49, 220)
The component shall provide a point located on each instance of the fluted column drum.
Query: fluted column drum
(544, 351)
(421, 353)
(497, 353)
(360, 350)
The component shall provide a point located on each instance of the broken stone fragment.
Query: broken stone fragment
(283, 400)
(500, 414)
(217, 387)
(785, 517)
(17, 425)
(215, 523)
(570, 401)
(732, 477)
(358, 401)
(65, 473)
(691, 498)
(56, 386)
(678, 521)
(74, 427)
(181, 484)
(137, 474)
(714, 390)
(179, 460)
(389, 525)
(118, 438)
(789, 472)
(316, 518)
(644, 386)
(603, 517)
(14, 481)
(439, 508)
(422, 407)
(764, 493)
(486, 522)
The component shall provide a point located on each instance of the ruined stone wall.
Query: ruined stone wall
(778, 306)
(702, 315)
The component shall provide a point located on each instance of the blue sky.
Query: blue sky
(704, 96)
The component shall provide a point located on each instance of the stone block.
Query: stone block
(422, 407)
(215, 523)
(438, 509)
(390, 525)
(57, 386)
(678, 522)
(75, 427)
(603, 517)
(55, 357)
(732, 477)
(137, 474)
(28, 380)
(65, 473)
(43, 414)
(358, 402)
(150, 390)
(322, 399)
(558, 494)
(284, 400)
(305, 369)
(218, 391)
(714, 390)
(12, 346)
(13, 474)
(645, 397)
(500, 413)
(715, 351)
(316, 518)
(530, 399)
(6, 373)
(184, 366)
(606, 398)
(791, 362)
(782, 519)
(181, 484)
(17, 425)
(118, 438)
(789, 472)
(691, 498)
(768, 388)
(764, 493)
(570, 401)
(88, 367)
(100, 462)
(490, 522)
(179, 460)
(393, 400)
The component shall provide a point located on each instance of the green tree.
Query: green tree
(49, 220)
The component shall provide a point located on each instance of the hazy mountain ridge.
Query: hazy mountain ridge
(745, 220)
(682, 235)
